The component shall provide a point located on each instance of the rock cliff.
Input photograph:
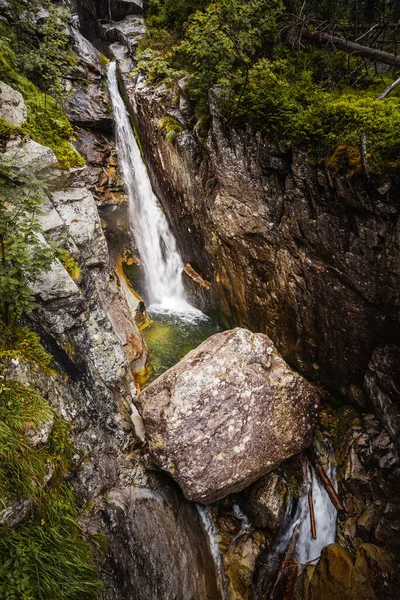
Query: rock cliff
(290, 247)
(89, 328)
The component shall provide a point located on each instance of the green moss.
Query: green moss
(172, 128)
(69, 264)
(346, 160)
(7, 131)
(47, 123)
(24, 345)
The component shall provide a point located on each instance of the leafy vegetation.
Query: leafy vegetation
(264, 72)
(23, 255)
(46, 123)
(172, 128)
(48, 557)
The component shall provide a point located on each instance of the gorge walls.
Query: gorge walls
(290, 247)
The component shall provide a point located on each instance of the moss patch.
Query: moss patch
(47, 123)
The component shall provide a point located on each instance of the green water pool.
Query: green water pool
(171, 336)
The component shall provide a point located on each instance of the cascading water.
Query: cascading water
(296, 528)
(211, 531)
(162, 263)
(307, 549)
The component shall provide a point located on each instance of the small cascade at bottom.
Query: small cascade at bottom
(211, 531)
(297, 544)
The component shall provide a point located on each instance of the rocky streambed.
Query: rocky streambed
(276, 245)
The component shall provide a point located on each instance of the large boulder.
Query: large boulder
(12, 105)
(226, 414)
(28, 157)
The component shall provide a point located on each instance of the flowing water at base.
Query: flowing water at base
(172, 335)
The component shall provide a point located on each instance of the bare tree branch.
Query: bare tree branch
(321, 38)
(389, 89)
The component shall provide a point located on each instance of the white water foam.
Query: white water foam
(325, 516)
(161, 260)
(211, 531)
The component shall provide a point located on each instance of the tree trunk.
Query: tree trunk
(321, 39)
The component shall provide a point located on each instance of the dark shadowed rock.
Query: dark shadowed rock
(157, 547)
(369, 575)
(265, 502)
(226, 414)
(382, 382)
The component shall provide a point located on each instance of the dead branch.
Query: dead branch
(389, 89)
(321, 39)
(312, 516)
(287, 571)
(326, 482)
(363, 152)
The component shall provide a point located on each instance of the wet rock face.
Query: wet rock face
(265, 502)
(291, 249)
(157, 547)
(369, 575)
(368, 478)
(88, 105)
(382, 383)
(228, 413)
(90, 12)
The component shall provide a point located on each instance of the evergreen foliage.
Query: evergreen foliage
(251, 54)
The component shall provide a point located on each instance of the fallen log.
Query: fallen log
(312, 516)
(326, 482)
(321, 38)
(287, 573)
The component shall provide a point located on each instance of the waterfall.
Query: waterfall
(162, 263)
(325, 513)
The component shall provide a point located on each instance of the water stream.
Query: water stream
(178, 327)
(296, 525)
(161, 260)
